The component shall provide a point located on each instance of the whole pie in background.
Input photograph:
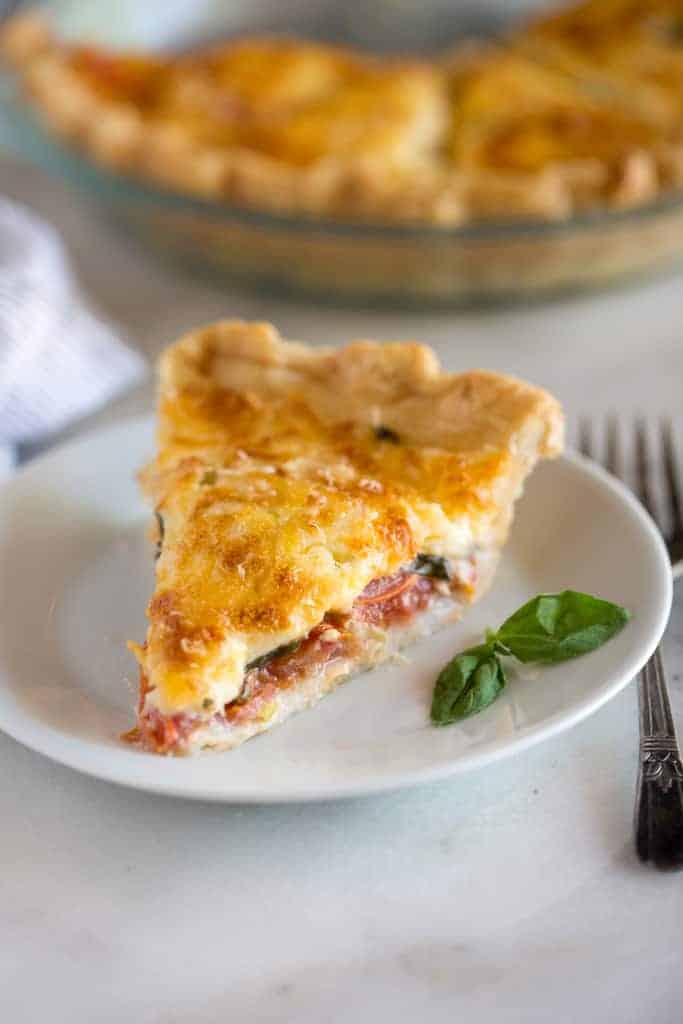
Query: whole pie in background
(576, 110)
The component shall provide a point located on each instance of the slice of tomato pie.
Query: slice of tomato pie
(318, 509)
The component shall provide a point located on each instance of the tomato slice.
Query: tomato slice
(385, 588)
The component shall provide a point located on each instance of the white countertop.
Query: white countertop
(510, 895)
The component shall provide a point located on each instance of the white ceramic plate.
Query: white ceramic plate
(78, 570)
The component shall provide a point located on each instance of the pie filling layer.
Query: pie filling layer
(387, 615)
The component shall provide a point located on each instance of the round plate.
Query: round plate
(78, 571)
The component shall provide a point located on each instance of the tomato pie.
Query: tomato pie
(317, 509)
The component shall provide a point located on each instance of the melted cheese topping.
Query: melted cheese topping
(579, 107)
(279, 507)
(633, 49)
(513, 114)
(297, 102)
(293, 519)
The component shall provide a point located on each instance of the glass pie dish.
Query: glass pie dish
(410, 264)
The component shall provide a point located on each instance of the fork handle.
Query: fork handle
(659, 795)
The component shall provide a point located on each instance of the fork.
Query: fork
(658, 821)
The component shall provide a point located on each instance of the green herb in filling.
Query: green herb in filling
(277, 652)
(436, 566)
(160, 541)
(386, 434)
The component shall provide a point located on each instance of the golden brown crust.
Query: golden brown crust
(316, 167)
(631, 51)
(290, 477)
(488, 133)
(400, 385)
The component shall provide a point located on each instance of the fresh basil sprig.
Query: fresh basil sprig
(554, 627)
(548, 629)
(468, 683)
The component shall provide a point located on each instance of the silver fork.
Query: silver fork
(658, 821)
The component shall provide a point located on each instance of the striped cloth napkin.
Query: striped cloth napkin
(58, 359)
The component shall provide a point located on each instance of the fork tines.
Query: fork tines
(643, 456)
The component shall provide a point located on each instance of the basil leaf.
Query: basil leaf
(383, 433)
(160, 538)
(672, 29)
(468, 684)
(277, 652)
(436, 566)
(554, 627)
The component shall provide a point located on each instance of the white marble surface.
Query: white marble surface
(511, 895)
